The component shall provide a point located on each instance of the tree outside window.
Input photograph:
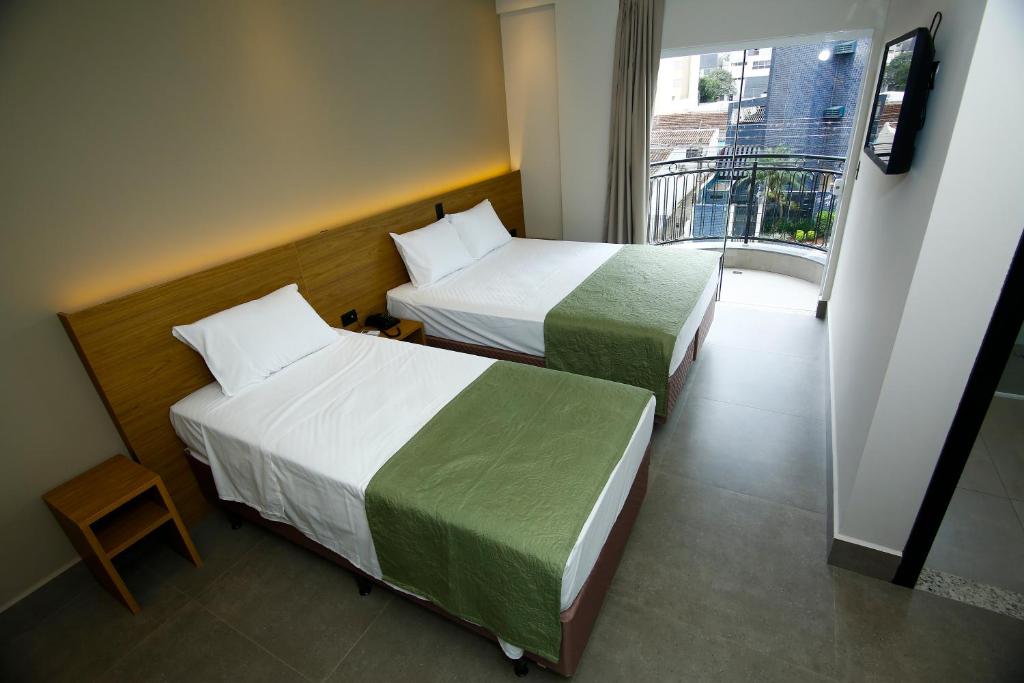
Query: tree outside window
(715, 85)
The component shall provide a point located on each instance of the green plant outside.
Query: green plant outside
(715, 85)
(897, 71)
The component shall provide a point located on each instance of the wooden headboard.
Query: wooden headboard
(140, 370)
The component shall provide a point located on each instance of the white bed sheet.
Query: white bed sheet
(302, 446)
(502, 299)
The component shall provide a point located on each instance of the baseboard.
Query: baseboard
(847, 553)
(39, 584)
(874, 562)
(830, 520)
(1012, 397)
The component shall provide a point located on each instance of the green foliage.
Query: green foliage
(810, 235)
(896, 72)
(795, 228)
(777, 180)
(825, 218)
(715, 85)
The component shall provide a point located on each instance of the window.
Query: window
(727, 108)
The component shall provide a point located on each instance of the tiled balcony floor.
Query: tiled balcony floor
(769, 290)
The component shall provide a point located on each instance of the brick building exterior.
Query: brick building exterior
(810, 104)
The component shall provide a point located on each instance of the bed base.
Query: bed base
(485, 351)
(577, 621)
(675, 382)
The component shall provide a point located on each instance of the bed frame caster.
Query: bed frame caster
(521, 667)
(236, 522)
(364, 585)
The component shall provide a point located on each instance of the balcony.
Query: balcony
(783, 199)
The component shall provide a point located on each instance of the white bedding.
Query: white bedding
(302, 446)
(502, 299)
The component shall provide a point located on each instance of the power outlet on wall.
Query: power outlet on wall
(349, 318)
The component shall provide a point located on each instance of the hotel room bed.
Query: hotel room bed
(302, 447)
(497, 306)
(299, 465)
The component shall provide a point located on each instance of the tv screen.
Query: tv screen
(902, 91)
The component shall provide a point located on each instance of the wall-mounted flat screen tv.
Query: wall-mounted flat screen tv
(900, 99)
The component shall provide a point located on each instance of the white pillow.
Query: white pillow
(480, 229)
(432, 252)
(246, 344)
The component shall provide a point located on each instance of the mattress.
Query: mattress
(302, 446)
(501, 300)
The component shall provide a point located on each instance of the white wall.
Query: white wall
(531, 96)
(585, 37)
(914, 291)
(883, 234)
(586, 52)
(585, 46)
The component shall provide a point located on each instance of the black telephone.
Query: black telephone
(383, 322)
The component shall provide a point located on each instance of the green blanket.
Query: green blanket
(479, 510)
(621, 323)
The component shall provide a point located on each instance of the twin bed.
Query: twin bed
(304, 447)
(500, 306)
(497, 494)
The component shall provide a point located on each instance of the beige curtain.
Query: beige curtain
(637, 55)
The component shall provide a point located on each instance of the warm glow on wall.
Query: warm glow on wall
(152, 269)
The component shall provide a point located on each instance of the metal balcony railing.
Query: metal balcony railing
(753, 197)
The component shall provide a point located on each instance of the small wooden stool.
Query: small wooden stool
(107, 509)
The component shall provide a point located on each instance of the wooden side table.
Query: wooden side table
(107, 509)
(408, 330)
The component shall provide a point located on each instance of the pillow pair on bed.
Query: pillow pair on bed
(246, 344)
(451, 243)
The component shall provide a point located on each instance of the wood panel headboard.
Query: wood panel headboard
(140, 370)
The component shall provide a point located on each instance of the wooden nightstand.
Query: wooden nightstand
(107, 509)
(408, 330)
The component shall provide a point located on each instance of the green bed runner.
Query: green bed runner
(621, 323)
(479, 510)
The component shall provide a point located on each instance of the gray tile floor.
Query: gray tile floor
(724, 577)
(1012, 381)
(982, 534)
